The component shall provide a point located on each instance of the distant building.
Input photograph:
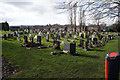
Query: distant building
(4, 26)
(14, 28)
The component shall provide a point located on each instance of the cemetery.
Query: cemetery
(60, 39)
(57, 54)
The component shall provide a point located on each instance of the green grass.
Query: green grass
(90, 64)
(2, 32)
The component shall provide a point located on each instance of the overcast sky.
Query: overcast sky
(32, 12)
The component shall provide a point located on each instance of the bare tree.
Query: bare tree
(98, 9)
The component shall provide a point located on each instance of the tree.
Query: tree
(98, 9)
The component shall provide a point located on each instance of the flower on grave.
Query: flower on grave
(100, 42)
(55, 46)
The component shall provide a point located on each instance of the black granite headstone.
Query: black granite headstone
(39, 39)
(25, 39)
(81, 43)
(5, 37)
(56, 44)
(82, 35)
(9, 35)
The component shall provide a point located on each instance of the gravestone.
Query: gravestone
(9, 35)
(58, 37)
(18, 38)
(93, 36)
(35, 37)
(90, 43)
(31, 40)
(103, 41)
(82, 35)
(87, 36)
(75, 37)
(66, 37)
(15, 34)
(30, 35)
(95, 41)
(25, 39)
(5, 37)
(52, 36)
(56, 44)
(81, 43)
(70, 35)
(86, 48)
(39, 39)
(34, 34)
(47, 38)
(62, 35)
(109, 36)
(69, 48)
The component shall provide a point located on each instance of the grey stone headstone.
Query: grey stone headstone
(18, 38)
(70, 47)
(47, 38)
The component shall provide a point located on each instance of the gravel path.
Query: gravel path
(7, 68)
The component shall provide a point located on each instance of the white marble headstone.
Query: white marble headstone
(93, 36)
(35, 37)
(75, 36)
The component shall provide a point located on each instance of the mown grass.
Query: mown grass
(38, 63)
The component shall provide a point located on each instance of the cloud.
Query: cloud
(20, 4)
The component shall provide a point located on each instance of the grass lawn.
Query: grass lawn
(38, 63)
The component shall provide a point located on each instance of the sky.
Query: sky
(33, 12)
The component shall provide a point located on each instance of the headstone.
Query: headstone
(52, 36)
(18, 38)
(15, 34)
(87, 36)
(70, 35)
(81, 45)
(35, 37)
(31, 40)
(47, 38)
(86, 48)
(75, 37)
(9, 35)
(5, 37)
(30, 35)
(56, 44)
(82, 35)
(93, 36)
(95, 41)
(103, 41)
(39, 39)
(90, 43)
(25, 39)
(69, 48)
